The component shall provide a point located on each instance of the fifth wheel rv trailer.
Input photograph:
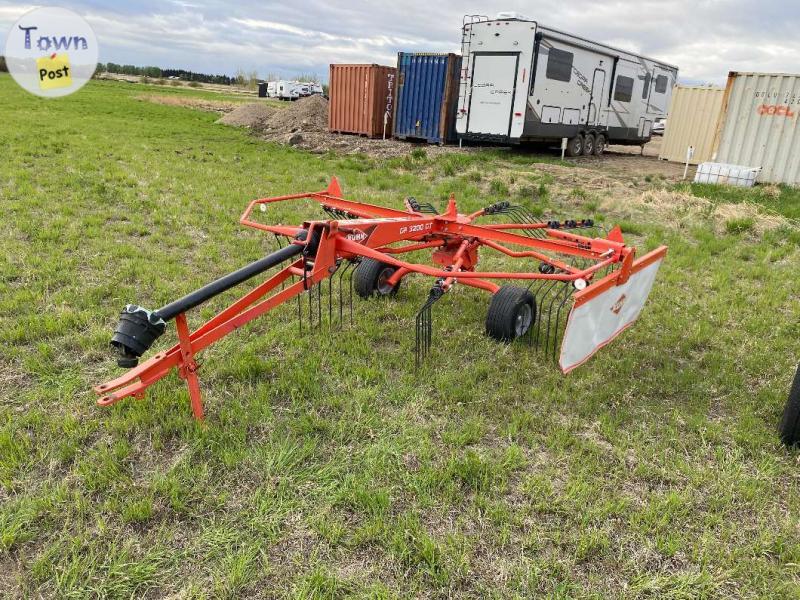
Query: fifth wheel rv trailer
(524, 82)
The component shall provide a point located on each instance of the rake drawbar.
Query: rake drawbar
(579, 291)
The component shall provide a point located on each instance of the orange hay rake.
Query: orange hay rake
(574, 295)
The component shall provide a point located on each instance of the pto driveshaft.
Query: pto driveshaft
(138, 327)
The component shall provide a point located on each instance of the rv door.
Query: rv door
(659, 92)
(494, 79)
(596, 100)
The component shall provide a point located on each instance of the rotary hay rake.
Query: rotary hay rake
(582, 292)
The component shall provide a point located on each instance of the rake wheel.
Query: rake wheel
(790, 423)
(369, 279)
(512, 311)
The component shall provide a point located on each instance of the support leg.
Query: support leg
(188, 366)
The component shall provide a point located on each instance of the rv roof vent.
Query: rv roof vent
(512, 15)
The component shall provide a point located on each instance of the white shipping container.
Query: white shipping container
(760, 125)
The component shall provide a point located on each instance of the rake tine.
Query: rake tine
(542, 292)
(523, 215)
(343, 272)
(424, 334)
(422, 315)
(319, 305)
(341, 303)
(310, 311)
(558, 318)
(554, 323)
(519, 217)
(351, 300)
(330, 303)
(553, 299)
(299, 311)
(424, 326)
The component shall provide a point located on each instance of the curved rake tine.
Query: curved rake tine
(566, 296)
(299, 312)
(519, 215)
(424, 327)
(541, 295)
(562, 295)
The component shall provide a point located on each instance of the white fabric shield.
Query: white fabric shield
(595, 323)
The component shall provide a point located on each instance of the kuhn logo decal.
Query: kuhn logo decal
(618, 304)
(356, 236)
(360, 236)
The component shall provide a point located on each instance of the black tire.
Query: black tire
(588, 144)
(600, 145)
(370, 276)
(575, 146)
(512, 311)
(790, 423)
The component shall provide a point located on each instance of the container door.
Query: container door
(598, 93)
(494, 78)
(659, 92)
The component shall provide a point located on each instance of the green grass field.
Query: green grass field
(328, 467)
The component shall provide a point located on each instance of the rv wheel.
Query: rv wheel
(589, 145)
(600, 145)
(575, 146)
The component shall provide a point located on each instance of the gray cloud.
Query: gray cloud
(705, 38)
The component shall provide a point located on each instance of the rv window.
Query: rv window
(646, 88)
(559, 65)
(661, 84)
(624, 89)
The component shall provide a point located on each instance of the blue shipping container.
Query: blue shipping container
(427, 95)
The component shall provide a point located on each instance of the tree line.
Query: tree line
(158, 73)
(241, 78)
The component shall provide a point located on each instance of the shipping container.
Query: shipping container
(361, 99)
(427, 96)
(692, 120)
(759, 127)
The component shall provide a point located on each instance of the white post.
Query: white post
(385, 122)
(563, 147)
(689, 155)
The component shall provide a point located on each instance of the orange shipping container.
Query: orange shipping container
(362, 99)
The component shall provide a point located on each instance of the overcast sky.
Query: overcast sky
(705, 38)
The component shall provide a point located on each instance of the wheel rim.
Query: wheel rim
(589, 148)
(383, 286)
(578, 147)
(522, 321)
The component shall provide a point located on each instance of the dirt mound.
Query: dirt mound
(218, 106)
(253, 115)
(304, 115)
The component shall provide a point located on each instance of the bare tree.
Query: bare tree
(252, 80)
